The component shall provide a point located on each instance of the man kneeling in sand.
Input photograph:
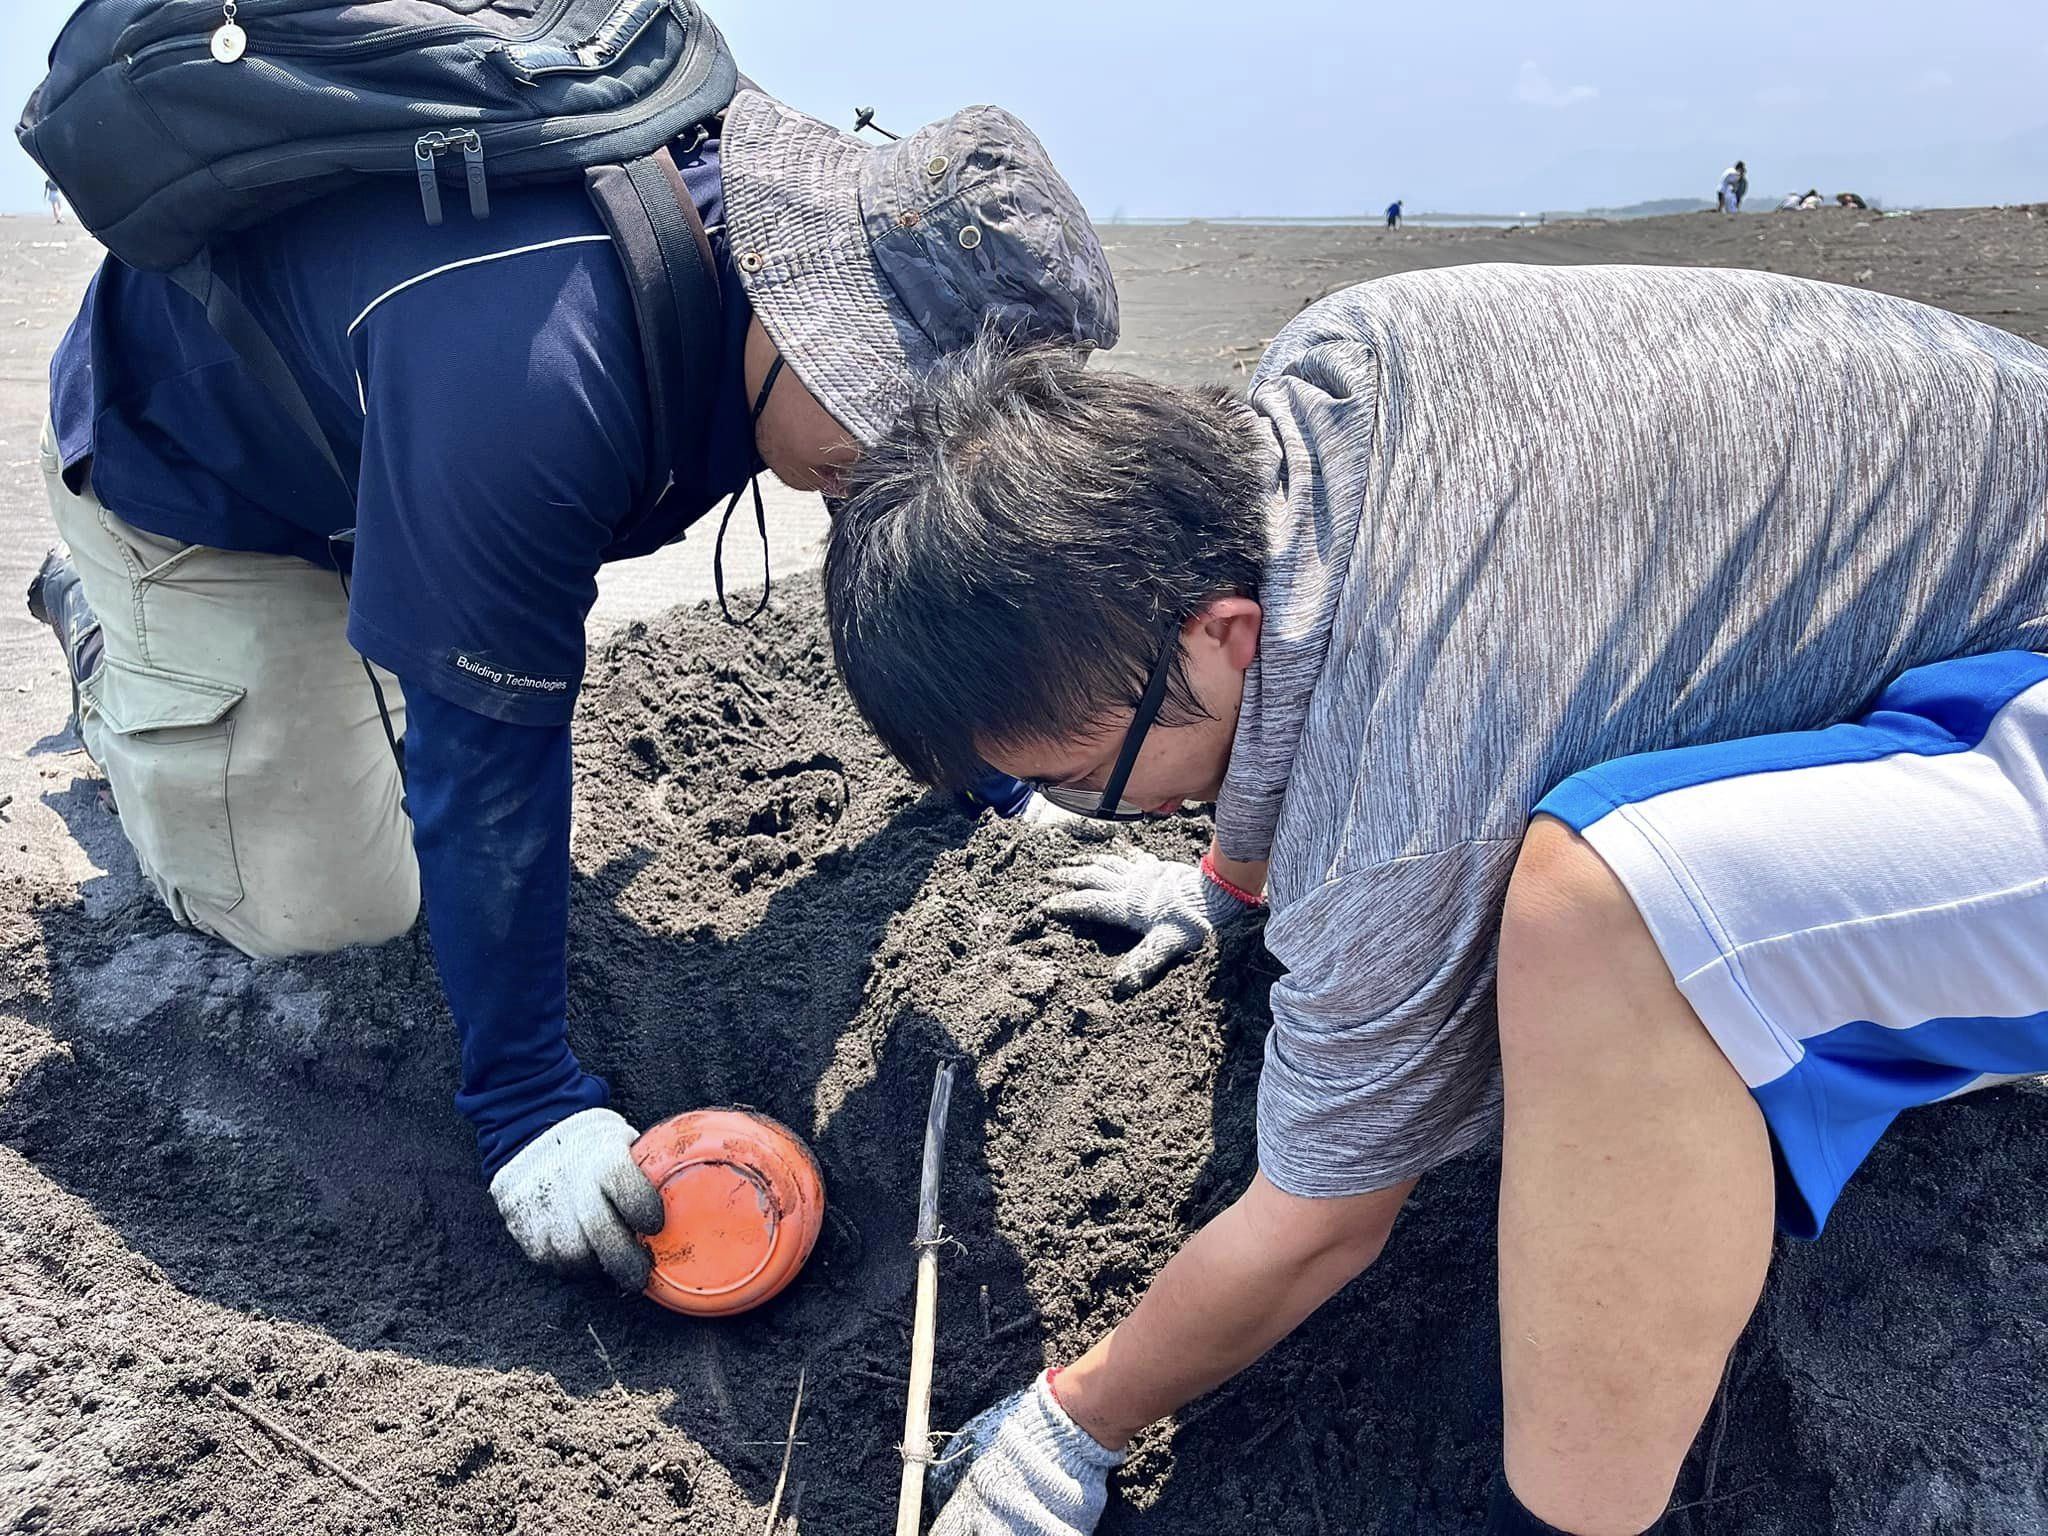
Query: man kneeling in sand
(1633, 678)
(487, 391)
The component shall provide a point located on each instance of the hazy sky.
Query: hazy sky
(1169, 107)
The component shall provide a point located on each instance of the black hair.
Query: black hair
(1010, 556)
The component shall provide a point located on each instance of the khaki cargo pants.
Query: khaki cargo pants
(241, 738)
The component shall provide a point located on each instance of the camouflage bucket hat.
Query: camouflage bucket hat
(868, 263)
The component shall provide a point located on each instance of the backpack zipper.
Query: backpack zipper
(376, 154)
(134, 62)
(166, 30)
(426, 152)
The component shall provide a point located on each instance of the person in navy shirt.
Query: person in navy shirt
(482, 382)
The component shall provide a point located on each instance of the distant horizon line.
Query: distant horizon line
(1605, 214)
(1609, 213)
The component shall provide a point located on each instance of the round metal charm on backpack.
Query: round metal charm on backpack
(230, 42)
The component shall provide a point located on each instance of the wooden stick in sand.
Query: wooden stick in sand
(283, 1436)
(788, 1451)
(917, 1416)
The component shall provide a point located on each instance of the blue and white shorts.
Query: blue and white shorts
(1859, 915)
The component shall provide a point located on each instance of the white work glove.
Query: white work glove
(1028, 1470)
(574, 1199)
(1041, 815)
(1173, 907)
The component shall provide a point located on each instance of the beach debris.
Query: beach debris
(283, 1436)
(788, 1450)
(603, 1354)
(881, 1378)
(917, 1413)
(1014, 1326)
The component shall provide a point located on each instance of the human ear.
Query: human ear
(1231, 625)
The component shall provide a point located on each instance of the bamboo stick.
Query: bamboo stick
(917, 1414)
(788, 1451)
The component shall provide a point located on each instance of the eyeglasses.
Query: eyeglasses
(1109, 804)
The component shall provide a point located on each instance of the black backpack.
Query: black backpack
(170, 123)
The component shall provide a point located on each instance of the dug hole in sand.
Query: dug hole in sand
(219, 1172)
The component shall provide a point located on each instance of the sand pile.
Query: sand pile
(264, 1187)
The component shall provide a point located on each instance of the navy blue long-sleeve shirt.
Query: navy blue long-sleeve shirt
(484, 384)
(490, 812)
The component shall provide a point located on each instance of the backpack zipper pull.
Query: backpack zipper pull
(473, 170)
(229, 41)
(424, 149)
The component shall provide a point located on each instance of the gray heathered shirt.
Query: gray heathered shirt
(1530, 519)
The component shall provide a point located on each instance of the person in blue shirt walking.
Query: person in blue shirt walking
(1394, 214)
(483, 384)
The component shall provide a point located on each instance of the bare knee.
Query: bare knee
(1568, 927)
(1565, 909)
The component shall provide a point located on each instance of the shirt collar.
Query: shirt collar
(1308, 553)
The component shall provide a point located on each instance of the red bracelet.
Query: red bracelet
(1243, 895)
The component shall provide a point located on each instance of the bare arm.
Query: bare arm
(1239, 1286)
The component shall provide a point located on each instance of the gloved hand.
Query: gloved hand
(1175, 907)
(1023, 1468)
(574, 1199)
(1041, 815)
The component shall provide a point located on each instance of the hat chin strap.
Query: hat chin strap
(760, 511)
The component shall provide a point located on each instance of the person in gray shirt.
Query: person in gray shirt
(1627, 683)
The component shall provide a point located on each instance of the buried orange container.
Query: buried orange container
(745, 1202)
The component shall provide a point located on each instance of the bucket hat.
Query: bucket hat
(866, 263)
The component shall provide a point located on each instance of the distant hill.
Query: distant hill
(1654, 209)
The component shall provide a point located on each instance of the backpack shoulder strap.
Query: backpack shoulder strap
(674, 282)
(670, 271)
(231, 319)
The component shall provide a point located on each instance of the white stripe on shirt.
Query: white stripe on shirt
(471, 261)
(362, 397)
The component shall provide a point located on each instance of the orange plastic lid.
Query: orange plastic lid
(745, 1202)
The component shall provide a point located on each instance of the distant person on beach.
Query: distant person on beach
(1394, 214)
(1790, 202)
(1734, 187)
(1850, 200)
(55, 198)
(1811, 201)
(1646, 778)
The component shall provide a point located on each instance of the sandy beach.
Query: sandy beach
(223, 1173)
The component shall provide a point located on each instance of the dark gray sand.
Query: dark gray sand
(215, 1172)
